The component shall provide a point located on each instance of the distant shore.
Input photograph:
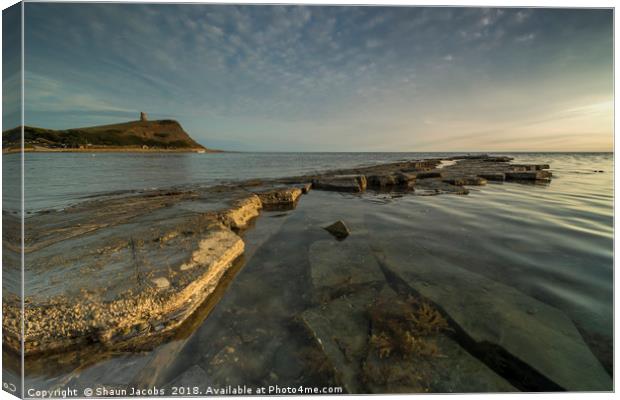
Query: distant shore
(108, 150)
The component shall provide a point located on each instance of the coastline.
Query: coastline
(227, 209)
(111, 150)
(200, 232)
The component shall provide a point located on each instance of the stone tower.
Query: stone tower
(143, 116)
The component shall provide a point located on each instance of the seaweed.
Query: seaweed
(405, 328)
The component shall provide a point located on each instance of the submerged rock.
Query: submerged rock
(498, 159)
(434, 186)
(193, 378)
(429, 174)
(454, 181)
(452, 370)
(338, 229)
(529, 176)
(411, 352)
(494, 315)
(493, 176)
(336, 268)
(340, 328)
(528, 167)
(382, 181)
(378, 342)
(341, 183)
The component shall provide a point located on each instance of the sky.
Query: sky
(315, 78)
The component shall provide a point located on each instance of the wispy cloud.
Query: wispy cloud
(525, 38)
(276, 75)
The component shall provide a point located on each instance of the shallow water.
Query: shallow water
(553, 243)
(56, 180)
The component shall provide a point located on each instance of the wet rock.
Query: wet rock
(453, 370)
(242, 212)
(433, 187)
(338, 229)
(336, 267)
(474, 181)
(306, 187)
(279, 197)
(546, 341)
(528, 167)
(340, 329)
(193, 377)
(454, 181)
(529, 176)
(406, 179)
(341, 183)
(382, 181)
(493, 176)
(429, 174)
(498, 159)
(410, 352)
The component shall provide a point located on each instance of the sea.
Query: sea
(552, 242)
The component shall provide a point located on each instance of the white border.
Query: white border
(476, 3)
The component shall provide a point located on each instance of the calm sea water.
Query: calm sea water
(56, 180)
(552, 242)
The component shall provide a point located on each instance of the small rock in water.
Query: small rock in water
(338, 229)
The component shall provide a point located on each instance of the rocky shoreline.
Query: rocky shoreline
(197, 229)
(126, 271)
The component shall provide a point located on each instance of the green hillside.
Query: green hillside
(152, 135)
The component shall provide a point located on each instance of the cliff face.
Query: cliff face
(155, 135)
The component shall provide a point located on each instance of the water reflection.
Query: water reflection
(551, 244)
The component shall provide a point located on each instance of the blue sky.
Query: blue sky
(328, 78)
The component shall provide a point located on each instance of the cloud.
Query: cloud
(525, 38)
(372, 43)
(260, 72)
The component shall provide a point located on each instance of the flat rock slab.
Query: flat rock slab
(154, 306)
(453, 370)
(539, 335)
(341, 183)
(528, 176)
(340, 328)
(193, 377)
(496, 169)
(436, 186)
(458, 171)
(438, 364)
(335, 265)
(278, 198)
(493, 176)
(127, 268)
